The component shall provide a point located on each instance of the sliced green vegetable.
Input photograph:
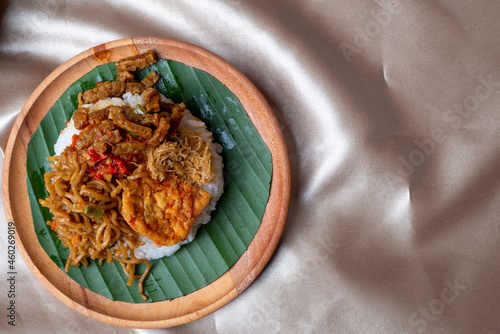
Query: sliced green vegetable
(93, 212)
(133, 134)
(140, 109)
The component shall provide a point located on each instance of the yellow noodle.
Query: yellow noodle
(137, 176)
(78, 198)
(76, 170)
(142, 278)
(100, 184)
(58, 187)
(79, 176)
(109, 256)
(116, 190)
(79, 258)
(95, 195)
(99, 236)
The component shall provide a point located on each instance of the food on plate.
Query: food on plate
(133, 176)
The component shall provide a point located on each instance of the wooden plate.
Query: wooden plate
(182, 309)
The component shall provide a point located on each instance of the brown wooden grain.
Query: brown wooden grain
(159, 314)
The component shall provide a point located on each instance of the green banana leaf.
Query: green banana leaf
(218, 244)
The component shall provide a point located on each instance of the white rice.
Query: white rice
(149, 250)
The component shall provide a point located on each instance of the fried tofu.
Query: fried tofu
(163, 211)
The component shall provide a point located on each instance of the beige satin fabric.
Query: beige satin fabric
(390, 110)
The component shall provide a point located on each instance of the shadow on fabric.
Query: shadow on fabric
(3, 9)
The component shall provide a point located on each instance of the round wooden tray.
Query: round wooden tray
(179, 310)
